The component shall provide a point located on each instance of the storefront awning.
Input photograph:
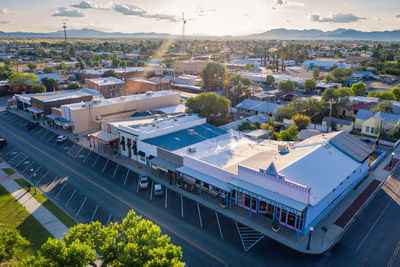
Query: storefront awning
(205, 178)
(268, 196)
(34, 110)
(104, 137)
(165, 164)
(60, 121)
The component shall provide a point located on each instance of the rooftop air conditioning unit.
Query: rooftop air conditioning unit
(282, 147)
(98, 117)
(190, 131)
(192, 149)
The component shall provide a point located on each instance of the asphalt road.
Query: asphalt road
(90, 188)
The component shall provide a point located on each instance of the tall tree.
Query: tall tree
(384, 106)
(310, 85)
(214, 76)
(396, 92)
(359, 89)
(270, 80)
(213, 107)
(338, 75)
(109, 73)
(286, 86)
(316, 74)
(11, 243)
(32, 66)
(38, 88)
(74, 85)
(134, 242)
(22, 79)
(50, 83)
(301, 121)
(238, 86)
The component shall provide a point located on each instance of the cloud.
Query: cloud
(65, 12)
(89, 5)
(336, 18)
(5, 11)
(200, 11)
(286, 3)
(132, 10)
(5, 21)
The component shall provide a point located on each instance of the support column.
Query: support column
(181, 205)
(198, 210)
(166, 197)
(219, 225)
(257, 205)
(230, 199)
(201, 185)
(273, 216)
(251, 204)
(298, 230)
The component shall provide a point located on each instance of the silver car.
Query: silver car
(143, 182)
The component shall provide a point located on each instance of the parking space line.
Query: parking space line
(21, 161)
(47, 132)
(27, 167)
(60, 190)
(73, 193)
(83, 203)
(97, 206)
(41, 130)
(9, 152)
(126, 176)
(96, 161)
(84, 160)
(79, 152)
(13, 157)
(47, 189)
(105, 165)
(108, 221)
(43, 177)
(116, 168)
(35, 171)
(51, 137)
(66, 141)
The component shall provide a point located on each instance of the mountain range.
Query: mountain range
(287, 34)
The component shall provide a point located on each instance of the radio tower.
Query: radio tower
(65, 32)
(183, 25)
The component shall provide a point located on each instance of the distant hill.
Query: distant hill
(339, 34)
(287, 34)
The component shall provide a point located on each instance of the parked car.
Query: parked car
(3, 143)
(31, 125)
(143, 182)
(61, 139)
(157, 190)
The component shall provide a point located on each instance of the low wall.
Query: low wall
(378, 159)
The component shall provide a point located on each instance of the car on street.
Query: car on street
(32, 125)
(3, 143)
(143, 182)
(158, 190)
(61, 139)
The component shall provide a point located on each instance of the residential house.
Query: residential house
(341, 125)
(254, 107)
(369, 122)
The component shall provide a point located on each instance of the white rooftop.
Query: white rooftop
(106, 81)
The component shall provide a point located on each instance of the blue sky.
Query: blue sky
(217, 17)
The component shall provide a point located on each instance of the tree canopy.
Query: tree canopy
(301, 121)
(249, 67)
(310, 85)
(396, 92)
(74, 85)
(23, 79)
(338, 75)
(238, 86)
(213, 107)
(270, 80)
(38, 88)
(359, 89)
(289, 135)
(49, 70)
(384, 106)
(11, 243)
(214, 76)
(134, 242)
(382, 95)
(141, 63)
(286, 86)
(109, 73)
(50, 83)
(316, 74)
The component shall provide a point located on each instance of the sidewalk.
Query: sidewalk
(326, 233)
(45, 217)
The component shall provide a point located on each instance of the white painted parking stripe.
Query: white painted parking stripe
(41, 130)
(79, 151)
(97, 206)
(115, 171)
(43, 177)
(27, 167)
(9, 153)
(35, 171)
(105, 165)
(84, 160)
(96, 160)
(126, 176)
(60, 190)
(21, 161)
(83, 203)
(73, 193)
(51, 137)
(108, 221)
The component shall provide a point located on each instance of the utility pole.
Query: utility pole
(183, 25)
(330, 114)
(65, 36)
(376, 145)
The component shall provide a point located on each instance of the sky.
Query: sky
(209, 17)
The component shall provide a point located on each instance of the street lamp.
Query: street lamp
(391, 160)
(34, 180)
(309, 237)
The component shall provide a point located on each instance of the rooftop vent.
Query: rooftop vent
(192, 149)
(190, 131)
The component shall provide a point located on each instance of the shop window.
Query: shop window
(241, 199)
(283, 216)
(291, 219)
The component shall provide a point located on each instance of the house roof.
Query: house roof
(338, 121)
(49, 75)
(364, 114)
(259, 106)
(364, 105)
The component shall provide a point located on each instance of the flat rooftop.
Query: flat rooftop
(185, 137)
(106, 81)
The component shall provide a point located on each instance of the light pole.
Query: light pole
(309, 237)
(391, 160)
(34, 180)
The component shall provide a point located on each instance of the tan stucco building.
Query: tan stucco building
(193, 67)
(141, 85)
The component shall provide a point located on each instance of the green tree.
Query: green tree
(287, 111)
(338, 75)
(267, 127)
(238, 86)
(22, 79)
(96, 64)
(38, 88)
(169, 62)
(249, 67)
(316, 74)
(213, 107)
(11, 243)
(344, 91)
(396, 92)
(32, 66)
(214, 76)
(286, 86)
(109, 73)
(80, 64)
(74, 85)
(382, 95)
(301, 121)
(49, 70)
(270, 80)
(359, 89)
(289, 135)
(310, 85)
(50, 83)
(134, 242)
(141, 63)
(116, 62)
(61, 67)
(384, 106)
